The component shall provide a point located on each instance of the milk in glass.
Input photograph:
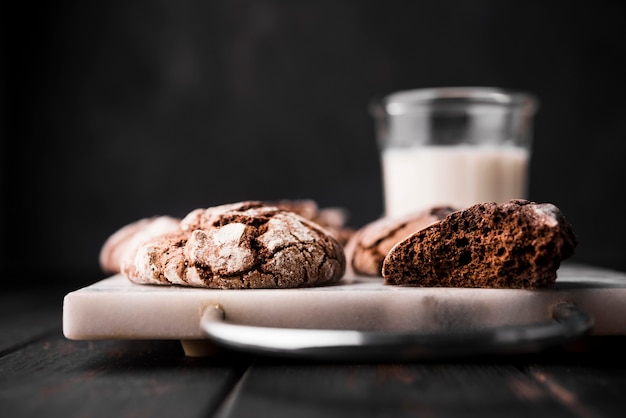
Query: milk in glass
(454, 146)
(458, 176)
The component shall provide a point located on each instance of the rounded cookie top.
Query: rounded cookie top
(367, 248)
(241, 245)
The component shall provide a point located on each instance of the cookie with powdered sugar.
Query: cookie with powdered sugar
(240, 245)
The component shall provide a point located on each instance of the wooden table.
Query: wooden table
(43, 374)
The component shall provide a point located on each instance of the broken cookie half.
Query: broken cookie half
(518, 244)
(236, 246)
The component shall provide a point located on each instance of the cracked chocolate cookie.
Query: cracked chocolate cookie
(367, 248)
(518, 244)
(241, 245)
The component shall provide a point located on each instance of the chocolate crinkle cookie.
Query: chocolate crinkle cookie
(518, 244)
(240, 245)
(367, 247)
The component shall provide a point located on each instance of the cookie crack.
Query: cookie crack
(392, 232)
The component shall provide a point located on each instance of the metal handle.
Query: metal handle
(569, 323)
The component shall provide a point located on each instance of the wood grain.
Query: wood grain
(385, 390)
(52, 376)
(26, 316)
(517, 386)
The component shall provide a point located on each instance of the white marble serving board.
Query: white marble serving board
(115, 308)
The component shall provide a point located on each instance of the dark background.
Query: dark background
(116, 111)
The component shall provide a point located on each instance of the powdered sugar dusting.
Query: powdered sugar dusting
(220, 249)
(284, 230)
(192, 220)
(144, 263)
(193, 277)
(229, 234)
(171, 273)
(547, 213)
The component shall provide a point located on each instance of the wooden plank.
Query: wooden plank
(398, 390)
(584, 379)
(590, 381)
(26, 316)
(62, 378)
(585, 392)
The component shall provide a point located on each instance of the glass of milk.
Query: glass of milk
(453, 146)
